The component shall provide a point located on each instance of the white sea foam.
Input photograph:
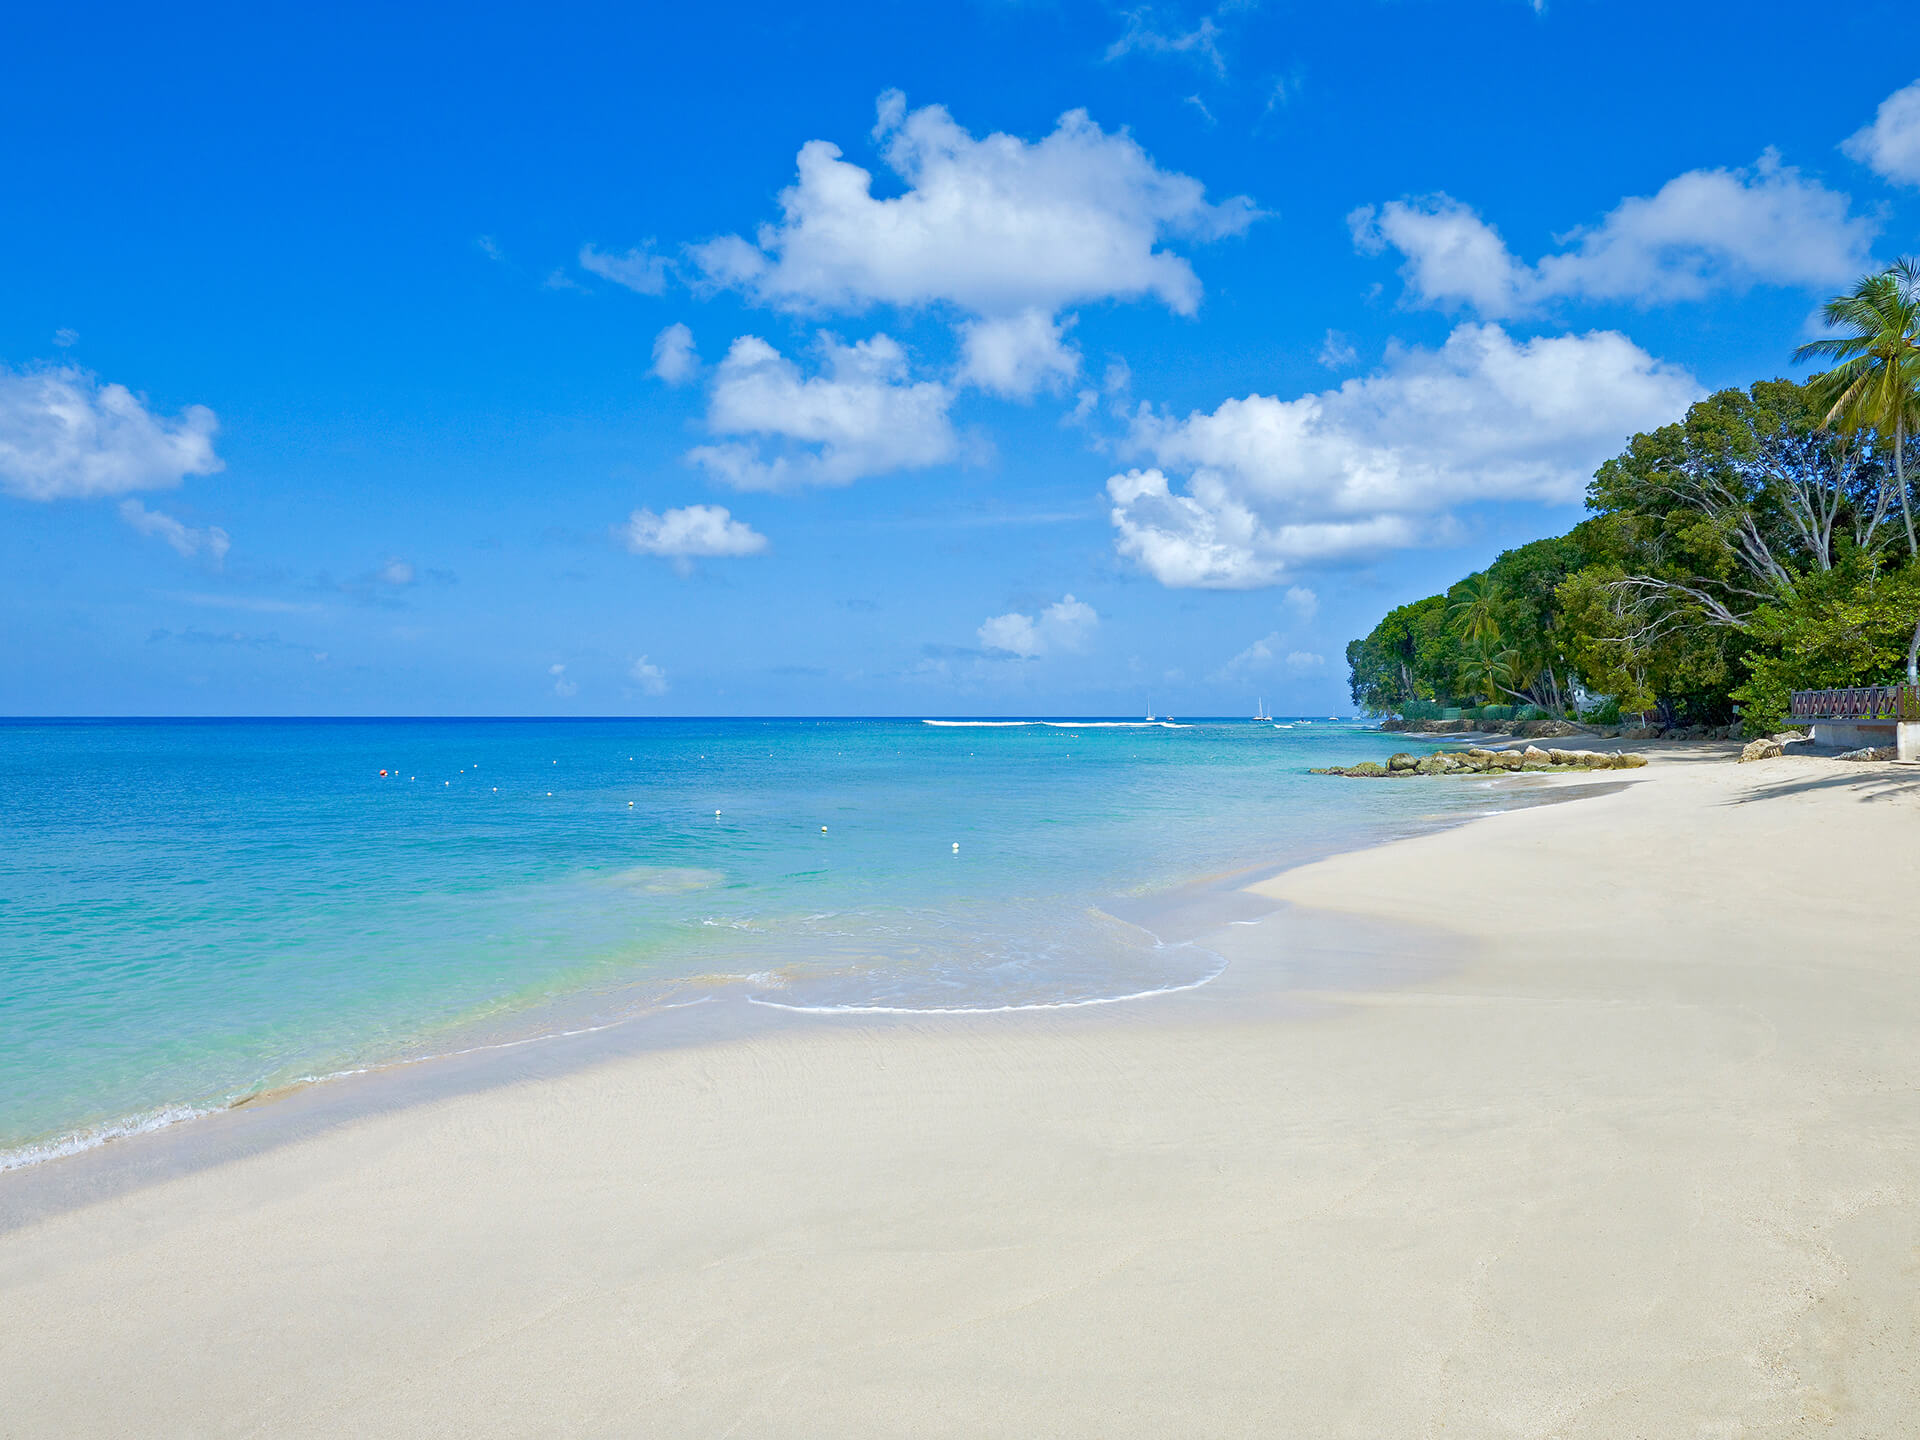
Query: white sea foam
(93, 1136)
(1060, 724)
(1218, 970)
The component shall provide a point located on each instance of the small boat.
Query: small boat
(1260, 715)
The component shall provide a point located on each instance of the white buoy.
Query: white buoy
(716, 814)
(956, 847)
(629, 804)
(823, 829)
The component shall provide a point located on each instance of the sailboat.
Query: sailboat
(1260, 714)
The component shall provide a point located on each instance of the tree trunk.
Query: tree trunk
(1900, 480)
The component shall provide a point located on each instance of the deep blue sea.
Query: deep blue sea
(192, 912)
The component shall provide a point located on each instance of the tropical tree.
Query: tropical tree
(1876, 382)
(1473, 610)
(1483, 671)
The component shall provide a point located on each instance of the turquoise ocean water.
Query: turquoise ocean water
(192, 912)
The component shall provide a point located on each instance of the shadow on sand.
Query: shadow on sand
(1867, 780)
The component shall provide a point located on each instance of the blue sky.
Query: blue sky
(1035, 358)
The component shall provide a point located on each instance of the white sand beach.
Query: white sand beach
(1631, 1149)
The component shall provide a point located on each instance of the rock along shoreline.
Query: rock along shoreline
(1477, 761)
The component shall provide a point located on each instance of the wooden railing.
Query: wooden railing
(1862, 702)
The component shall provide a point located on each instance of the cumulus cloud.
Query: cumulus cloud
(562, 686)
(863, 415)
(212, 542)
(639, 269)
(1303, 661)
(396, 572)
(64, 435)
(1067, 624)
(1376, 464)
(674, 358)
(648, 676)
(688, 533)
(1890, 146)
(994, 226)
(1017, 355)
(1704, 231)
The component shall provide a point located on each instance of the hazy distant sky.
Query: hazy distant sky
(985, 358)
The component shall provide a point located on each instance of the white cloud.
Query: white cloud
(1301, 603)
(863, 416)
(1302, 661)
(1337, 352)
(674, 358)
(1202, 43)
(395, 572)
(1257, 656)
(562, 686)
(1067, 624)
(690, 532)
(649, 677)
(1377, 463)
(64, 435)
(993, 226)
(1017, 355)
(1703, 231)
(213, 542)
(1012, 633)
(639, 269)
(1890, 146)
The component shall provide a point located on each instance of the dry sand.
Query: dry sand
(1643, 1160)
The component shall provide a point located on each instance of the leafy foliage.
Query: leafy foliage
(1742, 552)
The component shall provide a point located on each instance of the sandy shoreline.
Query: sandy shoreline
(1631, 1147)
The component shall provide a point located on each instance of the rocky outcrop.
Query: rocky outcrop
(1872, 752)
(1477, 761)
(1766, 747)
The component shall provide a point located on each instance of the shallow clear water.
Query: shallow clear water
(194, 911)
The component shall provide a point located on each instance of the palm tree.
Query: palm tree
(1482, 669)
(1876, 384)
(1475, 616)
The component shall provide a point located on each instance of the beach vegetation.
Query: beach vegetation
(1761, 543)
